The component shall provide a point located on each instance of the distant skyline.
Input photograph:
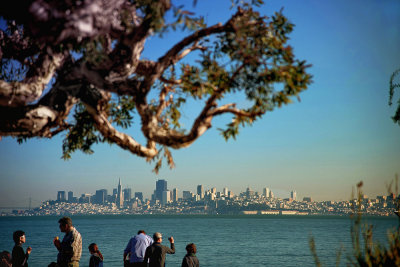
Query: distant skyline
(339, 134)
(193, 190)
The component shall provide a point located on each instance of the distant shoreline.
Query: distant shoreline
(202, 215)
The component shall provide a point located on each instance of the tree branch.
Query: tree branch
(125, 141)
(38, 119)
(230, 108)
(31, 88)
(173, 55)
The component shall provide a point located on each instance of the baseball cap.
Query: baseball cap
(157, 235)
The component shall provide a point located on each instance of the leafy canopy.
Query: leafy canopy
(77, 67)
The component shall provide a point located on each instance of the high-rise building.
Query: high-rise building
(127, 194)
(266, 192)
(225, 191)
(293, 195)
(70, 196)
(166, 197)
(187, 194)
(139, 195)
(61, 196)
(249, 193)
(85, 198)
(101, 196)
(214, 190)
(120, 198)
(175, 195)
(161, 186)
(200, 191)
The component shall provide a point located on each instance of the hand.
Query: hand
(56, 242)
(28, 250)
(171, 239)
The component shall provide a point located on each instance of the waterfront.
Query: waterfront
(260, 240)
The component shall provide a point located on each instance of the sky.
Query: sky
(340, 133)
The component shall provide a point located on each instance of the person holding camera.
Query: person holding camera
(155, 254)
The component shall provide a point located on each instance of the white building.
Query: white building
(293, 195)
(166, 197)
(266, 192)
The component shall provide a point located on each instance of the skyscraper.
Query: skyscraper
(139, 195)
(61, 196)
(266, 192)
(127, 194)
(225, 191)
(200, 190)
(70, 196)
(101, 196)
(161, 186)
(166, 197)
(293, 195)
(186, 194)
(175, 195)
(120, 198)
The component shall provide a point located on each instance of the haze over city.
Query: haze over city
(340, 133)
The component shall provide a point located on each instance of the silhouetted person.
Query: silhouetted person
(19, 257)
(70, 248)
(96, 260)
(156, 252)
(136, 248)
(190, 259)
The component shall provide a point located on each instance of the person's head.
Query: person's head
(65, 224)
(93, 248)
(191, 248)
(19, 237)
(157, 237)
(5, 256)
(141, 232)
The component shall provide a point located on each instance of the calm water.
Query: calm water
(221, 240)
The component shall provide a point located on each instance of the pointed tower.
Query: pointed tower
(120, 198)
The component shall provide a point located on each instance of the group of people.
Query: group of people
(141, 250)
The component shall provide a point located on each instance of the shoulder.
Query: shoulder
(75, 232)
(17, 248)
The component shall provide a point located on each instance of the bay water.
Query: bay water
(237, 240)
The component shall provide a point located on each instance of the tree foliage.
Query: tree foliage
(77, 67)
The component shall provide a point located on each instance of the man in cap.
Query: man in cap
(156, 252)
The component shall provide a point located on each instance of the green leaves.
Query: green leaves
(164, 152)
(186, 20)
(81, 135)
(121, 111)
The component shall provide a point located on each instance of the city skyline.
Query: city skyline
(339, 134)
(92, 196)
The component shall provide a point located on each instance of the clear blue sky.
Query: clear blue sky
(340, 133)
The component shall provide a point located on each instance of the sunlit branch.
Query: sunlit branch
(123, 140)
(14, 94)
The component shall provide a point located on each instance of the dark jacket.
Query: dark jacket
(19, 257)
(190, 260)
(156, 254)
(95, 261)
